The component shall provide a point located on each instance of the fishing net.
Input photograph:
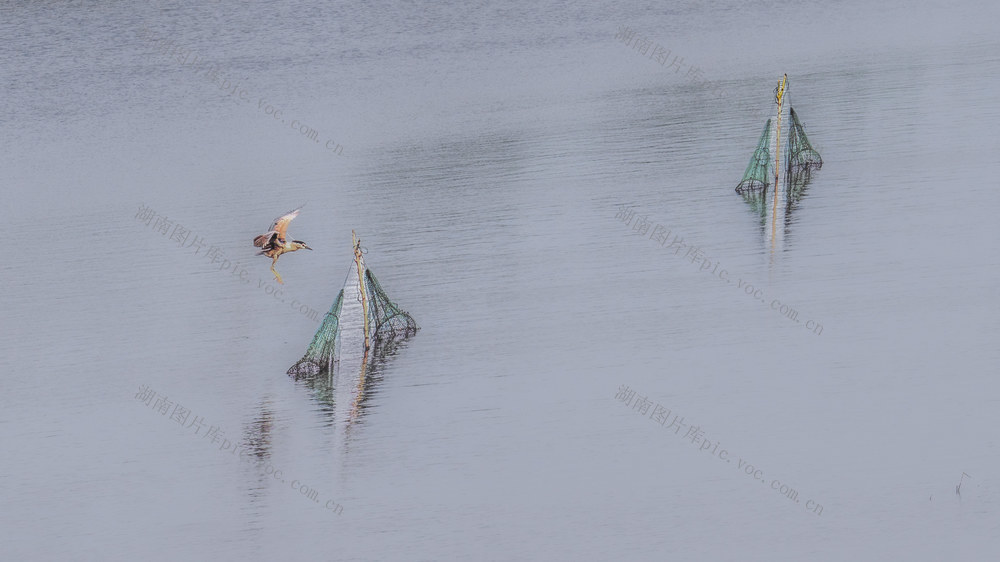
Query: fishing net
(389, 320)
(802, 158)
(385, 324)
(323, 350)
(755, 176)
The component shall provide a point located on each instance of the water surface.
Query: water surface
(486, 149)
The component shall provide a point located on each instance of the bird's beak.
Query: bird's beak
(306, 247)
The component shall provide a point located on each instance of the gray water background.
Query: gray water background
(486, 149)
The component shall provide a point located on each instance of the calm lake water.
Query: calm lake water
(482, 152)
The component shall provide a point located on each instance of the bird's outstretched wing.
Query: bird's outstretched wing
(281, 223)
(277, 232)
(265, 241)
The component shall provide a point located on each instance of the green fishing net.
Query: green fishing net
(755, 177)
(802, 158)
(387, 323)
(323, 350)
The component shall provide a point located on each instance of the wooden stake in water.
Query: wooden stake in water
(359, 260)
(779, 95)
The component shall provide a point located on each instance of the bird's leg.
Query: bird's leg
(276, 274)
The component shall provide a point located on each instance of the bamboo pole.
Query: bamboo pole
(779, 97)
(361, 284)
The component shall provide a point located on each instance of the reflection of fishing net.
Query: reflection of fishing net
(801, 156)
(755, 176)
(757, 201)
(388, 320)
(324, 349)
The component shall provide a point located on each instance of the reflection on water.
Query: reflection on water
(795, 188)
(757, 200)
(257, 433)
(342, 393)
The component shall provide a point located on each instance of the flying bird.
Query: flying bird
(273, 243)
